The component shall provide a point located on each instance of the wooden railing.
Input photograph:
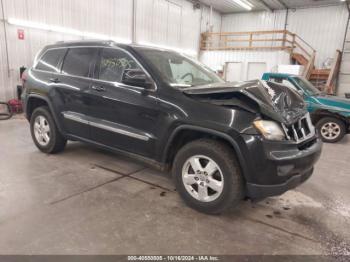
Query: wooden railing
(256, 40)
(331, 82)
(310, 66)
(261, 40)
(299, 49)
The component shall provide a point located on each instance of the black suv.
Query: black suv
(222, 141)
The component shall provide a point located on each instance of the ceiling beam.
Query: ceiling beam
(266, 6)
(283, 4)
(197, 4)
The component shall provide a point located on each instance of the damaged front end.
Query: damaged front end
(269, 100)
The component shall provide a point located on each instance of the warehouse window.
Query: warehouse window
(79, 61)
(50, 60)
(113, 63)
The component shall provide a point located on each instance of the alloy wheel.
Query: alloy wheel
(202, 178)
(42, 130)
(330, 130)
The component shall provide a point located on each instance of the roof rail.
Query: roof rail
(84, 41)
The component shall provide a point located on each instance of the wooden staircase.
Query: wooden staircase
(323, 79)
(300, 51)
(299, 59)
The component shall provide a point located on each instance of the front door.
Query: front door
(122, 116)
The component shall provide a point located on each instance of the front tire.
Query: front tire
(331, 129)
(207, 176)
(45, 133)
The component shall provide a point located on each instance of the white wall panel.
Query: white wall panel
(207, 22)
(108, 17)
(217, 59)
(3, 62)
(254, 21)
(323, 28)
(173, 23)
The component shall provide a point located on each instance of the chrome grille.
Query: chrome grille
(301, 130)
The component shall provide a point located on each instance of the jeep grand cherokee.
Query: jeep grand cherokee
(221, 141)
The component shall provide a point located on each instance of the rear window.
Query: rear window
(50, 60)
(79, 61)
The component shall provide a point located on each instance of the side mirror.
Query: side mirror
(137, 77)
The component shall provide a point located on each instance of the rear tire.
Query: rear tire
(330, 129)
(45, 133)
(213, 185)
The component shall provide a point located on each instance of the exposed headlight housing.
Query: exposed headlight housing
(270, 130)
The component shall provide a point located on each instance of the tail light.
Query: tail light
(24, 77)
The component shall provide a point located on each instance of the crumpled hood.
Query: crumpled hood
(274, 100)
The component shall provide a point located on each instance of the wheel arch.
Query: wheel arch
(176, 141)
(34, 101)
(319, 114)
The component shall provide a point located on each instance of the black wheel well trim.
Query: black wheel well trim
(50, 107)
(326, 113)
(224, 136)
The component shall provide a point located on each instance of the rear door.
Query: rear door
(73, 87)
(122, 116)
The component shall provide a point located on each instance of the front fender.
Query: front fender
(234, 140)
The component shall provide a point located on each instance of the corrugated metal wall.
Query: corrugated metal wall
(172, 23)
(254, 21)
(323, 27)
(3, 60)
(217, 59)
(344, 75)
(215, 20)
(164, 22)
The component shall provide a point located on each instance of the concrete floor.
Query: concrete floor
(88, 201)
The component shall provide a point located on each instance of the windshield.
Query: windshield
(179, 70)
(307, 86)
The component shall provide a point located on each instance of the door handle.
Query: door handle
(99, 88)
(54, 80)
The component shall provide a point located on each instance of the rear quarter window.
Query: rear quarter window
(79, 61)
(50, 60)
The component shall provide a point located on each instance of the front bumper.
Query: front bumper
(277, 167)
(262, 191)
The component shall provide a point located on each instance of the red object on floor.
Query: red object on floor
(15, 105)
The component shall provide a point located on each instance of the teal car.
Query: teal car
(330, 114)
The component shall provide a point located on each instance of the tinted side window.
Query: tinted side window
(50, 60)
(79, 61)
(113, 63)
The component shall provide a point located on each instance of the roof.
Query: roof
(84, 43)
(229, 6)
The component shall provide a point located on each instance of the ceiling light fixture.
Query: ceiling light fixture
(90, 35)
(244, 3)
(64, 30)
